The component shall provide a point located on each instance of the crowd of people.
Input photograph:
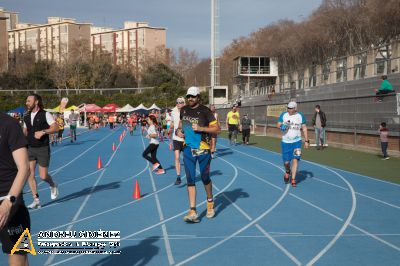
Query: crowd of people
(191, 129)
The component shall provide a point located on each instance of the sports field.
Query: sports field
(333, 216)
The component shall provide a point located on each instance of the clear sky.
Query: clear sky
(187, 21)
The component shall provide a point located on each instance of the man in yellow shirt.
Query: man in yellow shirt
(233, 124)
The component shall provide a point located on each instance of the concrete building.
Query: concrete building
(3, 44)
(130, 45)
(51, 41)
(12, 18)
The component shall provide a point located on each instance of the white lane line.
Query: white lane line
(357, 193)
(276, 243)
(337, 169)
(76, 216)
(54, 172)
(346, 223)
(167, 244)
(283, 195)
(60, 149)
(328, 213)
(159, 223)
(320, 180)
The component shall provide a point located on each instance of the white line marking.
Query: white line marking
(54, 172)
(276, 243)
(238, 231)
(167, 244)
(344, 226)
(76, 216)
(337, 169)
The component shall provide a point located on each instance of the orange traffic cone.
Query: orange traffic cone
(120, 138)
(136, 192)
(113, 147)
(170, 146)
(99, 163)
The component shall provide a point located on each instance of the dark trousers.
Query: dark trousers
(380, 93)
(152, 149)
(246, 135)
(384, 146)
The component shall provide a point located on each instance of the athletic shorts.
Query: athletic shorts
(72, 127)
(291, 151)
(18, 221)
(60, 133)
(178, 145)
(232, 128)
(40, 154)
(190, 160)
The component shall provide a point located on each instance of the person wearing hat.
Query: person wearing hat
(245, 126)
(197, 123)
(233, 124)
(291, 123)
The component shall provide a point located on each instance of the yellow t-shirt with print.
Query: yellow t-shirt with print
(233, 118)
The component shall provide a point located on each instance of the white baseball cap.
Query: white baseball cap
(292, 105)
(193, 91)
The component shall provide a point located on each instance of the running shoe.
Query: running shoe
(293, 182)
(155, 166)
(178, 181)
(191, 217)
(35, 204)
(286, 177)
(212, 155)
(210, 209)
(54, 191)
(160, 172)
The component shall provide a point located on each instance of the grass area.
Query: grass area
(354, 161)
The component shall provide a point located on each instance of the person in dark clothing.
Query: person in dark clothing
(246, 126)
(319, 123)
(14, 170)
(38, 125)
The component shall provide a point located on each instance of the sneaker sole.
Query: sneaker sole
(191, 220)
(209, 216)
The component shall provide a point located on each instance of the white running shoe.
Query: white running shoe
(54, 192)
(35, 204)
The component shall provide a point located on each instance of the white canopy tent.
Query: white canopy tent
(126, 109)
(154, 107)
(141, 107)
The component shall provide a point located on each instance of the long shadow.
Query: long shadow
(140, 254)
(78, 142)
(222, 154)
(303, 175)
(85, 191)
(221, 203)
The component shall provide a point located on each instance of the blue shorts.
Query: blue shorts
(190, 162)
(291, 151)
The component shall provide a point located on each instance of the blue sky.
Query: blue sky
(187, 21)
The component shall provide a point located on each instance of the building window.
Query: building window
(341, 70)
(312, 80)
(326, 69)
(360, 66)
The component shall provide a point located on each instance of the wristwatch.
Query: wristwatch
(308, 141)
(11, 198)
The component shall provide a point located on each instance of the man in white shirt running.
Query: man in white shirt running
(291, 124)
(38, 125)
(177, 141)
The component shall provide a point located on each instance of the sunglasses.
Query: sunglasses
(191, 96)
(180, 102)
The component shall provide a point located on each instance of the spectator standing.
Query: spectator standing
(246, 126)
(319, 123)
(383, 135)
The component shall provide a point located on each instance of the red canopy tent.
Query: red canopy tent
(110, 108)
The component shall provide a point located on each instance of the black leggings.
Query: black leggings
(246, 135)
(152, 149)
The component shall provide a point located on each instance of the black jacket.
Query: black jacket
(39, 123)
(322, 116)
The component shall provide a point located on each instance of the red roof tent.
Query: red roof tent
(110, 108)
(91, 108)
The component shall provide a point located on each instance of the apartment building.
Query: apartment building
(131, 44)
(12, 18)
(51, 41)
(3, 44)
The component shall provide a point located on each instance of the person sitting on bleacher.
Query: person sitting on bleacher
(385, 88)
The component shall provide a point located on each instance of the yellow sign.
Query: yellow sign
(276, 110)
(24, 243)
